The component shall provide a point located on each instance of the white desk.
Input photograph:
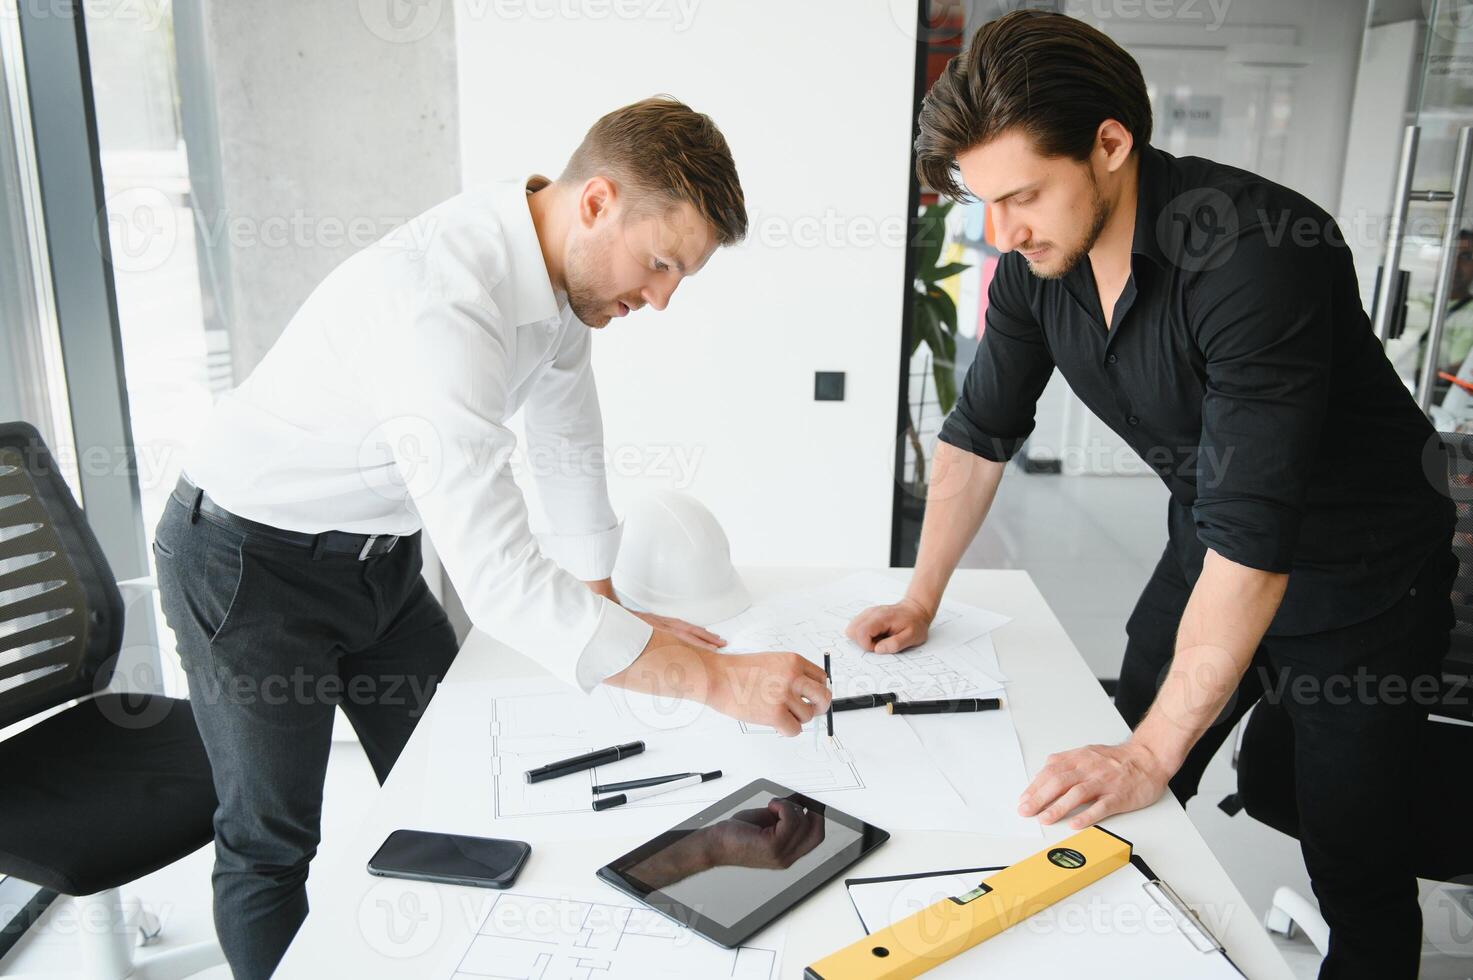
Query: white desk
(366, 927)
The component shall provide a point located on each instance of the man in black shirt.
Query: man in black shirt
(1212, 319)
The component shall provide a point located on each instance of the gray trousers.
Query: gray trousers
(272, 641)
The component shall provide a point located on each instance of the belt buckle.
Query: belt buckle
(366, 546)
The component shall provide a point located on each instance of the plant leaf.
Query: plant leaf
(945, 272)
(923, 324)
(943, 369)
(930, 229)
(941, 302)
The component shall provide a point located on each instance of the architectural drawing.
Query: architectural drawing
(523, 738)
(528, 937)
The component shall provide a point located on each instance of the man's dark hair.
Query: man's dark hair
(1054, 76)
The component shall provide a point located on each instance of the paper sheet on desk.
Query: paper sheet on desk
(979, 755)
(1111, 929)
(955, 622)
(955, 661)
(876, 767)
(557, 932)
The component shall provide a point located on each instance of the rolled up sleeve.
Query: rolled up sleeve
(440, 387)
(994, 414)
(1264, 326)
(565, 451)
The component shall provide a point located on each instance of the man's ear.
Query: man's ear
(596, 201)
(1114, 142)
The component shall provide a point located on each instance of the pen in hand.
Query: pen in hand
(828, 673)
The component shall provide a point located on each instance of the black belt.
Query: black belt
(331, 542)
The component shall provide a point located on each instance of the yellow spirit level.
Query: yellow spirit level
(938, 932)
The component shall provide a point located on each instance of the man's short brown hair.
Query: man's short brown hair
(1052, 75)
(663, 147)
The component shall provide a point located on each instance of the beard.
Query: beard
(588, 286)
(1099, 214)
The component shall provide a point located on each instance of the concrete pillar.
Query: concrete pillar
(312, 129)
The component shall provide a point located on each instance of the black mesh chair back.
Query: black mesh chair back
(117, 785)
(61, 615)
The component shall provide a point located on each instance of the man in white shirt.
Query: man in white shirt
(289, 557)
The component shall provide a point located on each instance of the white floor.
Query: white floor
(1090, 543)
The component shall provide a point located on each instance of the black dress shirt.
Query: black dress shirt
(1242, 368)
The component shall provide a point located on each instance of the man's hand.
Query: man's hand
(890, 629)
(1104, 779)
(774, 837)
(691, 633)
(781, 690)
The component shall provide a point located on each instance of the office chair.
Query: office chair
(1263, 753)
(113, 786)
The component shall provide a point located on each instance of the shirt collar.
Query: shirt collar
(1151, 195)
(527, 284)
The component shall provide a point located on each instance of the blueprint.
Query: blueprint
(961, 772)
(812, 623)
(534, 937)
(875, 767)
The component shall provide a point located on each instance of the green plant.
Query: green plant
(933, 320)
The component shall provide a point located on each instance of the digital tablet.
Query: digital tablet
(743, 861)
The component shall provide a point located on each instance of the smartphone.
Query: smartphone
(450, 858)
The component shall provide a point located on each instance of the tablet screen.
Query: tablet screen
(735, 866)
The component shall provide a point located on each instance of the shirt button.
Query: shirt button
(1133, 420)
(1112, 358)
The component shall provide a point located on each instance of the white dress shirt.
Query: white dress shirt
(383, 408)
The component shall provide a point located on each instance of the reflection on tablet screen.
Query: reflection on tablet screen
(746, 860)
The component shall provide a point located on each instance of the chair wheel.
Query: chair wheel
(149, 928)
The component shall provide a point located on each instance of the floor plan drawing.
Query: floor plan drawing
(530, 937)
(874, 765)
(522, 738)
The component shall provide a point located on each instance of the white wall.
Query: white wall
(815, 100)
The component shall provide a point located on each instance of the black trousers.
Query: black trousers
(1357, 698)
(273, 641)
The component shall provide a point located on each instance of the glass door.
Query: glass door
(32, 381)
(1404, 197)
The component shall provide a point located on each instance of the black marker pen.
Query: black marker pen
(586, 761)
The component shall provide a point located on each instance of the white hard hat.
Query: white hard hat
(674, 560)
